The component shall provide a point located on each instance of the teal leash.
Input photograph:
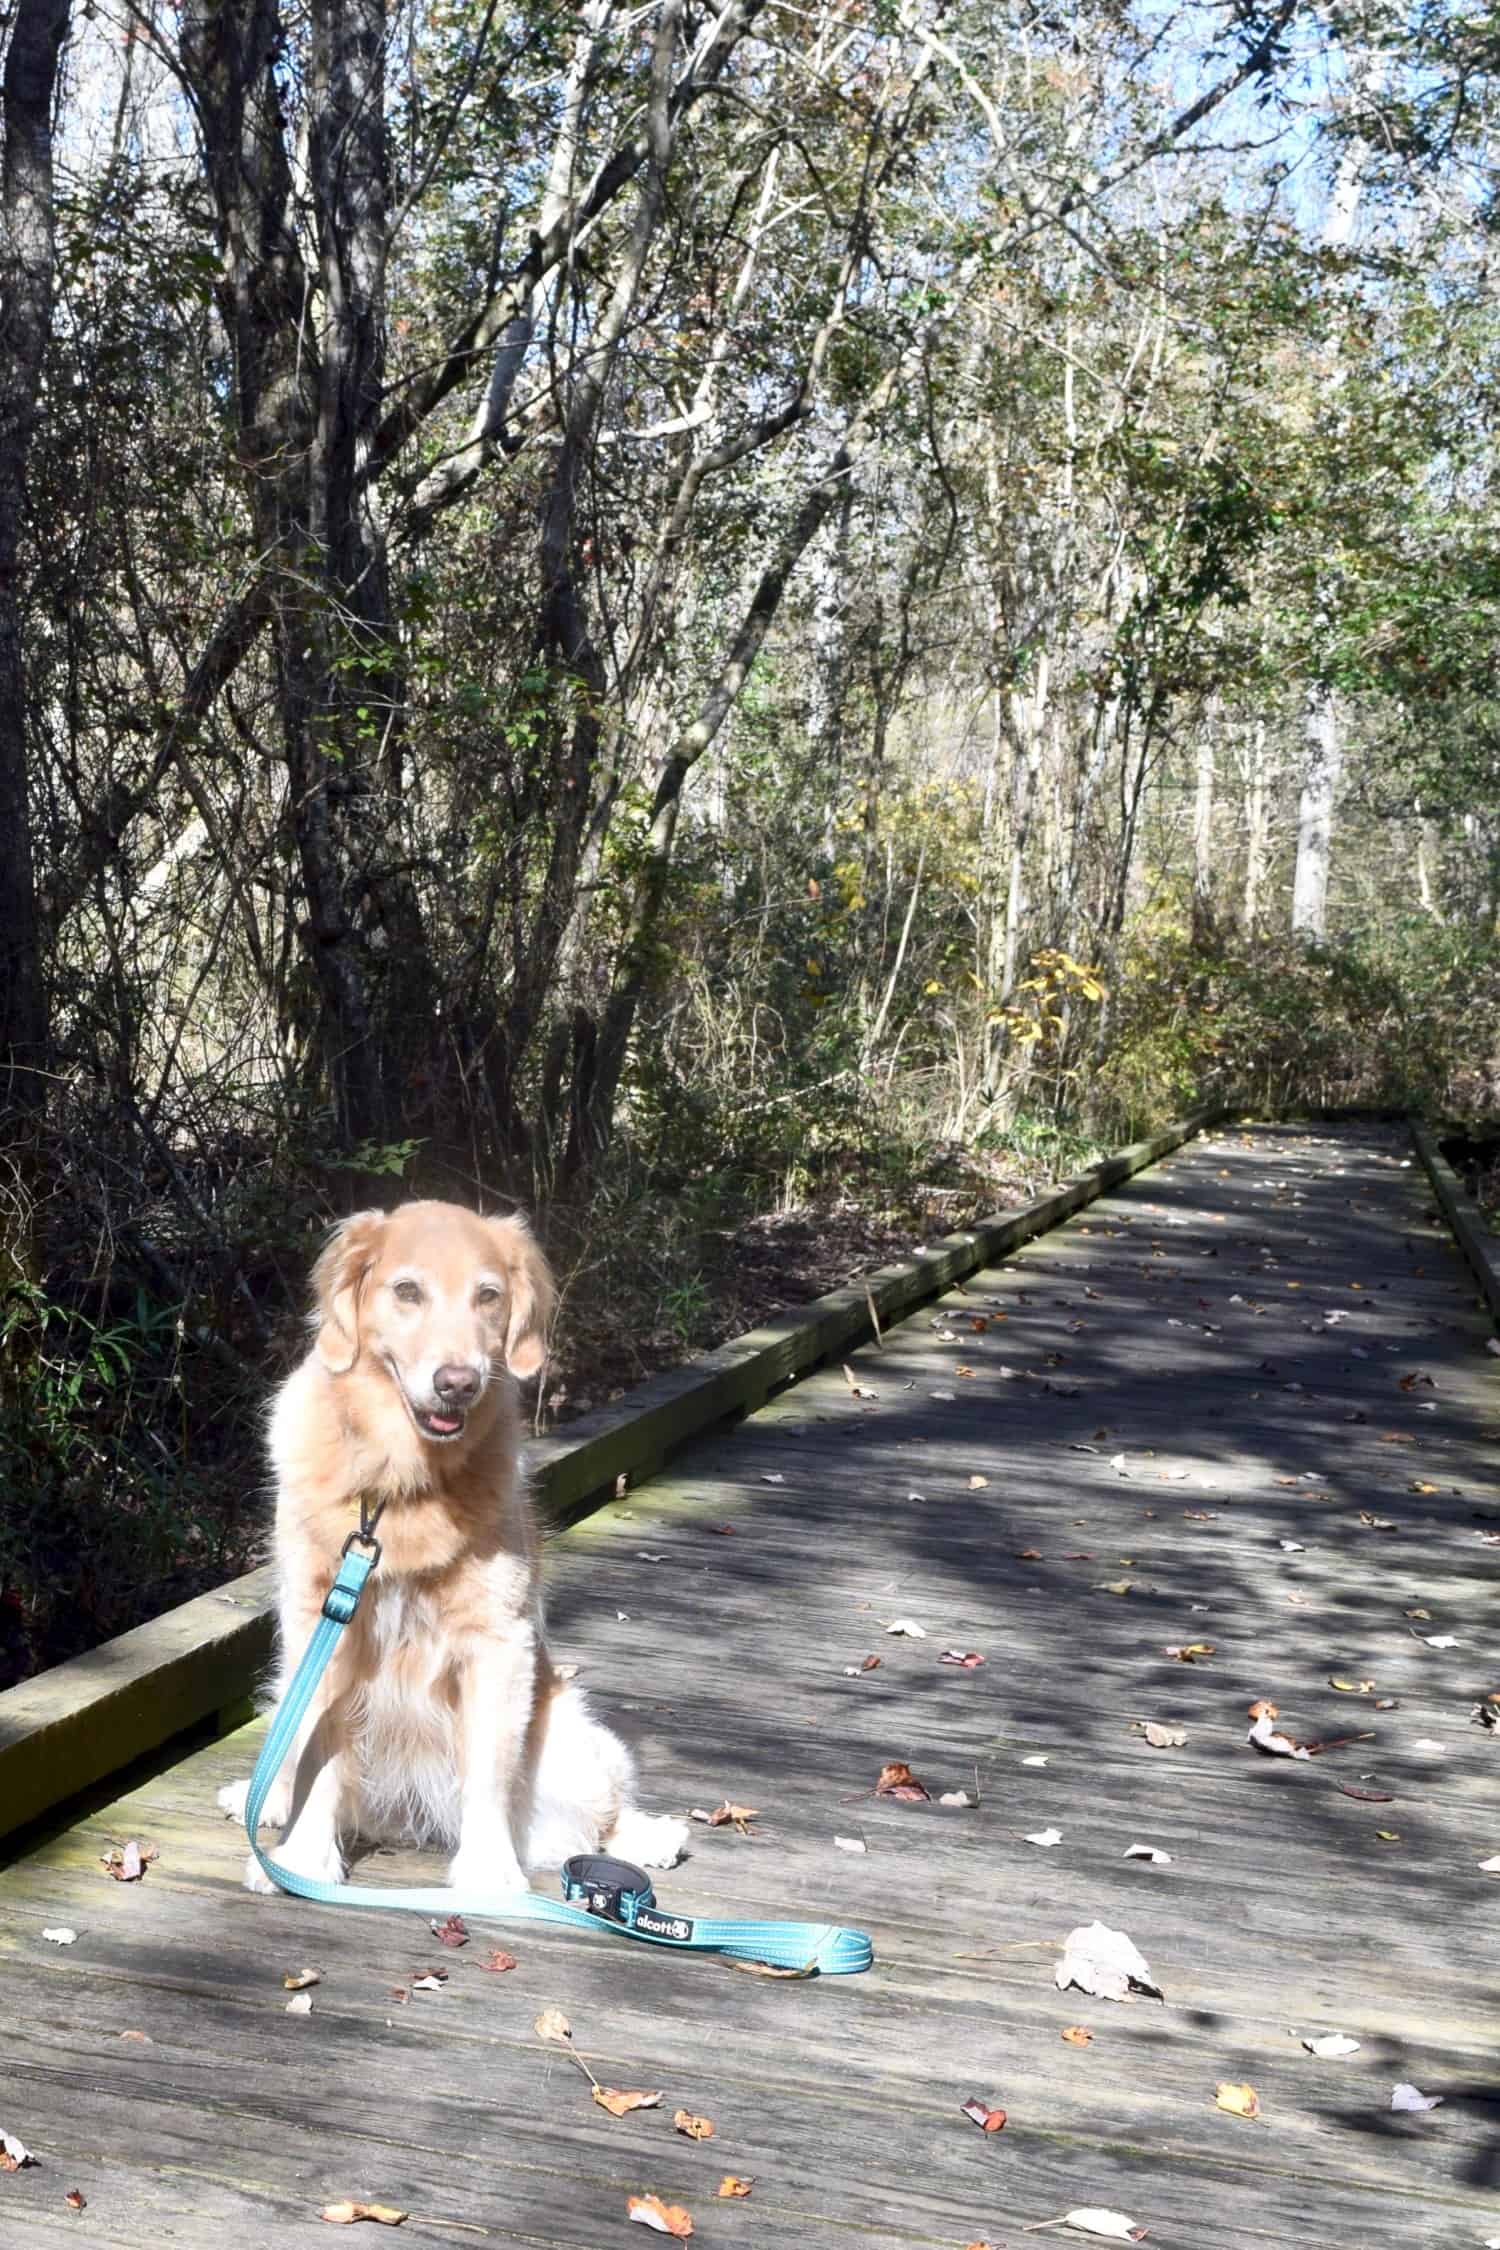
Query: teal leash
(620, 1897)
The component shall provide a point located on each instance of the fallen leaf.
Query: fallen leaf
(346, 2214)
(666, 2218)
(1263, 1734)
(300, 1979)
(770, 1968)
(1331, 2046)
(1490, 1866)
(553, 2024)
(14, 2154)
(772, 1476)
(727, 1815)
(61, 1937)
(130, 1864)
(696, 2128)
(620, 2104)
(452, 1933)
(76, 2200)
(498, 1961)
(1367, 1796)
(1039, 1760)
(300, 2004)
(988, 2120)
(960, 1797)
(1157, 1857)
(1104, 1962)
(138, 2038)
(1189, 1652)
(967, 1660)
(1440, 1640)
(1046, 1837)
(898, 1780)
(859, 1389)
(1407, 2097)
(1114, 2224)
(1351, 1687)
(729, 2185)
(1387, 1835)
(432, 1980)
(1240, 2101)
(870, 1664)
(1115, 1586)
(978, 1484)
(1078, 2035)
(909, 1627)
(1164, 1737)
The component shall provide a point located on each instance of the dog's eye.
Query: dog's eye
(487, 1294)
(406, 1292)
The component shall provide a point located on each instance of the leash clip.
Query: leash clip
(365, 1536)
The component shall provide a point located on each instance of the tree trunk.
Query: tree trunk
(27, 261)
(1324, 740)
(1257, 826)
(1203, 830)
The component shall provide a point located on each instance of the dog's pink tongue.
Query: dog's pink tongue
(445, 1422)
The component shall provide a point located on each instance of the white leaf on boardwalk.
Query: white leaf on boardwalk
(1157, 1857)
(17, 2155)
(1046, 1837)
(1407, 2097)
(1038, 1761)
(909, 1626)
(61, 1937)
(1440, 1640)
(1331, 2046)
(1106, 1963)
(850, 1843)
(1162, 1737)
(1490, 1866)
(1263, 1734)
(1089, 2219)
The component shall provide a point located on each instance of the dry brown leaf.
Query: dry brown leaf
(898, 1780)
(696, 2128)
(1189, 1652)
(346, 2214)
(620, 2104)
(452, 1933)
(727, 1815)
(299, 1979)
(988, 2120)
(130, 1864)
(553, 2024)
(1240, 2101)
(14, 2154)
(666, 2218)
(76, 2200)
(729, 2186)
(770, 1968)
(965, 1659)
(1078, 2035)
(498, 1961)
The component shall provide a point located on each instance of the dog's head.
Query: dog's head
(439, 1298)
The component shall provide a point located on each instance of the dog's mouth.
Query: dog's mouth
(442, 1425)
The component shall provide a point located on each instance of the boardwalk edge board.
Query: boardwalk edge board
(71, 1727)
(1479, 1245)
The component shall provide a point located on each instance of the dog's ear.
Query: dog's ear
(338, 1281)
(532, 1294)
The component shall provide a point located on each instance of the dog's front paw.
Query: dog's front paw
(233, 1798)
(486, 1872)
(314, 1863)
(649, 1839)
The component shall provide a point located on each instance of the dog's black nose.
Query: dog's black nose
(456, 1385)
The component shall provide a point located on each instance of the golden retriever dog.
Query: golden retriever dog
(441, 1718)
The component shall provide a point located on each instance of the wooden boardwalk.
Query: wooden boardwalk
(1278, 1343)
